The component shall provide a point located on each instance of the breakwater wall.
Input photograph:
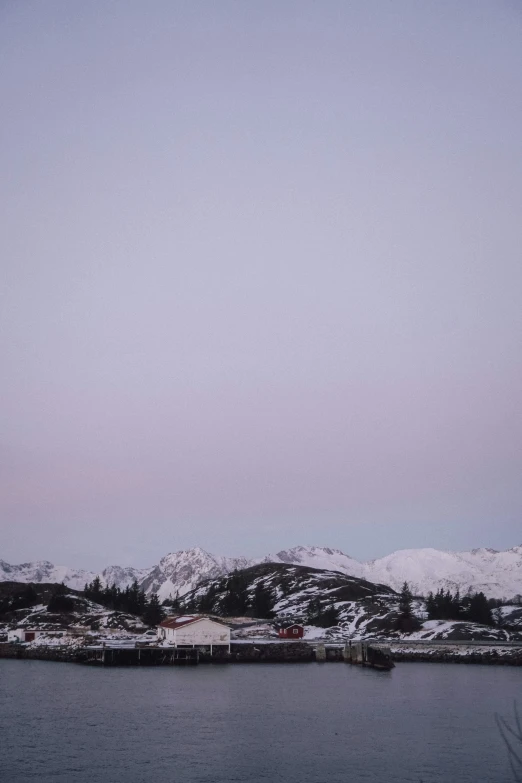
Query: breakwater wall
(44, 653)
(292, 652)
(459, 654)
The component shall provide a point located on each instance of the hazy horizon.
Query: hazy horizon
(261, 278)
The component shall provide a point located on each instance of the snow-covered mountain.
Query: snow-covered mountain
(318, 557)
(179, 572)
(43, 571)
(497, 574)
(123, 577)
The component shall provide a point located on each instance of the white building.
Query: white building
(190, 631)
(30, 634)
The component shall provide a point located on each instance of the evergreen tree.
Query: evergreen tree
(474, 607)
(94, 590)
(115, 597)
(133, 600)
(262, 601)
(207, 601)
(313, 611)
(321, 617)
(327, 617)
(153, 612)
(235, 601)
(25, 599)
(106, 597)
(405, 599)
(60, 601)
(406, 621)
(479, 611)
(455, 606)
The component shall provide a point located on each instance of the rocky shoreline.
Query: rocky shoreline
(460, 654)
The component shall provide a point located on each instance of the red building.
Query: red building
(291, 632)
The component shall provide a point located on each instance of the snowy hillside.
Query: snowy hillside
(497, 574)
(363, 608)
(295, 592)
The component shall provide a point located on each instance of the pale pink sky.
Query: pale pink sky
(261, 277)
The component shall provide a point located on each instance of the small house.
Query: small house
(194, 631)
(30, 634)
(294, 631)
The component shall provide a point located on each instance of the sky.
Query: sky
(261, 277)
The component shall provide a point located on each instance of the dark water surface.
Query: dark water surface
(298, 723)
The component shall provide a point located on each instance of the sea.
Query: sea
(255, 723)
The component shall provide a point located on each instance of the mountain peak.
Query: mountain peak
(497, 574)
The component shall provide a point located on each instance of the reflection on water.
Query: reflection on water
(301, 723)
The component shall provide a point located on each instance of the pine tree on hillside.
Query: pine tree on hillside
(431, 606)
(94, 591)
(206, 604)
(321, 617)
(327, 617)
(235, 601)
(24, 600)
(313, 611)
(406, 621)
(456, 608)
(262, 602)
(479, 610)
(153, 612)
(405, 601)
(173, 603)
(60, 601)
(134, 603)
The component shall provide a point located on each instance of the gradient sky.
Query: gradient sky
(261, 277)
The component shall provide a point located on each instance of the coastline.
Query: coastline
(255, 652)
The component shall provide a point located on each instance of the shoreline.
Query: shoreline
(253, 652)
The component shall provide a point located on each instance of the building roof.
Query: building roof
(294, 625)
(179, 622)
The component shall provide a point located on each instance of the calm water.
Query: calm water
(309, 723)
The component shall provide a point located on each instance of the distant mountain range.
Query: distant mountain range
(497, 574)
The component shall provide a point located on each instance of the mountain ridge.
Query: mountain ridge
(497, 573)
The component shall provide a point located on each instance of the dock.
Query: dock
(140, 656)
(369, 654)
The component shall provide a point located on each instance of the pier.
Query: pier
(140, 656)
(378, 656)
